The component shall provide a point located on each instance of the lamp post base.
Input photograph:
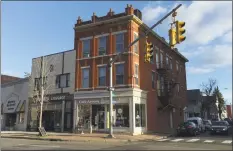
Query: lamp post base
(110, 136)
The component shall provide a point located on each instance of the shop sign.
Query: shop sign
(93, 101)
(11, 104)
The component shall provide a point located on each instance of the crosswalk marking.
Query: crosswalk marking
(208, 141)
(192, 140)
(162, 140)
(227, 142)
(177, 140)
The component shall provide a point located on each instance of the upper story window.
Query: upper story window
(119, 42)
(135, 46)
(102, 45)
(102, 76)
(170, 63)
(37, 83)
(119, 73)
(85, 78)
(153, 79)
(63, 80)
(161, 59)
(157, 56)
(86, 48)
(136, 74)
(177, 66)
(167, 60)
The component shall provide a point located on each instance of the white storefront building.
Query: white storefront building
(14, 102)
(129, 110)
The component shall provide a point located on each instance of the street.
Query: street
(23, 144)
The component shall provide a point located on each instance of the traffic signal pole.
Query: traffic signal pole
(112, 60)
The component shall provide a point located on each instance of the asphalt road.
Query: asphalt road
(23, 144)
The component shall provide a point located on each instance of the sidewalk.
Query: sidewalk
(95, 137)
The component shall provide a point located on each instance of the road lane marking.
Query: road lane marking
(177, 140)
(209, 141)
(162, 140)
(44, 146)
(227, 142)
(192, 140)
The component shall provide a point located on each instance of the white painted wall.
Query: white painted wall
(19, 89)
(55, 60)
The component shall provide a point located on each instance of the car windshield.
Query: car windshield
(219, 123)
(186, 124)
(205, 122)
(194, 121)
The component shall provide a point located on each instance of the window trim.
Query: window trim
(58, 80)
(136, 51)
(105, 81)
(116, 64)
(116, 43)
(136, 75)
(89, 53)
(85, 68)
(105, 49)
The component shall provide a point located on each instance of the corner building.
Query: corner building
(148, 97)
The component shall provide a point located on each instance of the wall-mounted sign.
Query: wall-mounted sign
(11, 104)
(58, 97)
(92, 101)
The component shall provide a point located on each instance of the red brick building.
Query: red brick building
(229, 111)
(147, 96)
(7, 78)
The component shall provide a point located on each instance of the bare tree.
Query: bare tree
(208, 90)
(84, 116)
(41, 81)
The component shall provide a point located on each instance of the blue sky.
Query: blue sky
(32, 29)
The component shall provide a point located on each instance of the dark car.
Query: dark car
(207, 124)
(228, 120)
(187, 128)
(220, 127)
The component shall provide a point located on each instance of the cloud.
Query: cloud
(205, 20)
(227, 38)
(151, 13)
(199, 70)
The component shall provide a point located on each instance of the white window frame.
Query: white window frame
(104, 46)
(88, 81)
(66, 79)
(136, 77)
(86, 53)
(161, 59)
(136, 45)
(157, 56)
(120, 43)
(117, 64)
(177, 66)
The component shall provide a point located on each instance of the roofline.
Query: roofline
(15, 82)
(54, 53)
(10, 76)
(138, 21)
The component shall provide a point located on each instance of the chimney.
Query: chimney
(110, 13)
(94, 17)
(129, 10)
(79, 21)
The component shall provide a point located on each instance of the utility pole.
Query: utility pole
(111, 61)
(42, 92)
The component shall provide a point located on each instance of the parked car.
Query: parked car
(220, 127)
(198, 121)
(228, 120)
(187, 128)
(207, 124)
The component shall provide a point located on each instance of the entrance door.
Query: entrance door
(101, 120)
(48, 120)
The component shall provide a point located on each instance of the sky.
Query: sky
(32, 29)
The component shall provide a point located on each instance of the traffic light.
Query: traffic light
(149, 52)
(172, 37)
(180, 31)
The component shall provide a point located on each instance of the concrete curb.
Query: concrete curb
(101, 140)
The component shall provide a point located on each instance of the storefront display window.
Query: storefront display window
(21, 117)
(140, 119)
(121, 115)
(57, 118)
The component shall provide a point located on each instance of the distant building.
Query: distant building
(195, 99)
(59, 74)
(229, 111)
(14, 97)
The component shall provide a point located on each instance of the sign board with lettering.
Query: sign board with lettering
(93, 101)
(58, 97)
(11, 104)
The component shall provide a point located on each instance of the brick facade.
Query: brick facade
(129, 23)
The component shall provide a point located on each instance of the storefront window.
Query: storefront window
(57, 118)
(140, 118)
(121, 115)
